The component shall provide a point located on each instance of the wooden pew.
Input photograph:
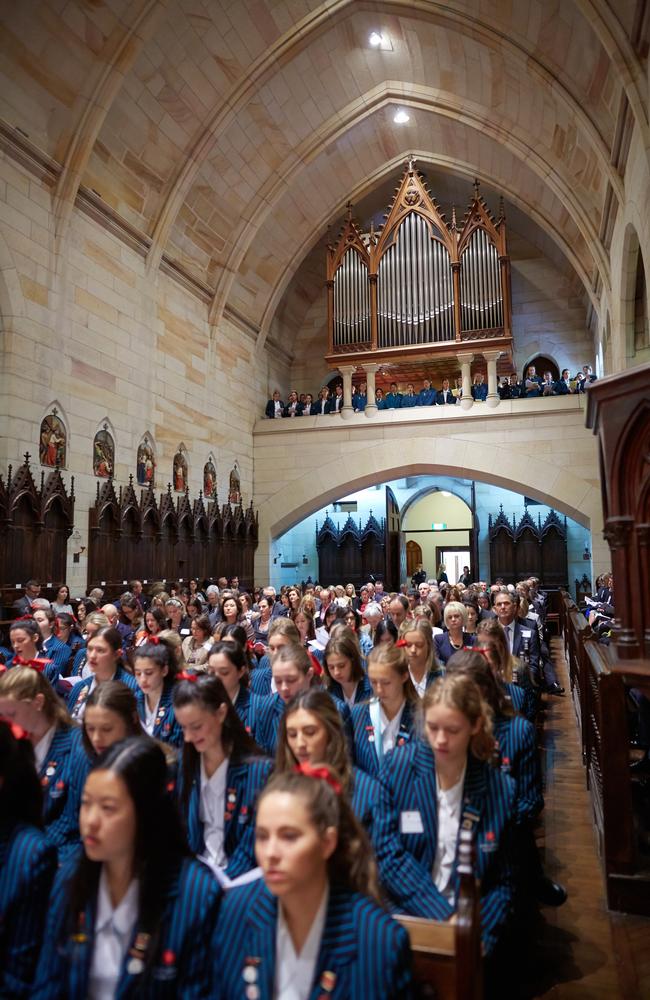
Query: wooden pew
(447, 960)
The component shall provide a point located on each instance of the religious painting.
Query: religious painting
(104, 454)
(146, 464)
(52, 441)
(209, 479)
(180, 472)
(234, 486)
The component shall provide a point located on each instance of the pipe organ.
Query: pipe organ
(419, 285)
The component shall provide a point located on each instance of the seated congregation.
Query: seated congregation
(210, 793)
(509, 387)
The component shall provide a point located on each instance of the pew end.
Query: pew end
(447, 962)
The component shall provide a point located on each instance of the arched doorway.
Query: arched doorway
(413, 557)
(542, 364)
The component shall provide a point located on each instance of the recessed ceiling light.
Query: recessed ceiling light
(400, 117)
(445, 493)
(379, 41)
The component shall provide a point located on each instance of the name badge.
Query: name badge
(526, 633)
(187, 631)
(411, 822)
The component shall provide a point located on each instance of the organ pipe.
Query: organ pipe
(412, 261)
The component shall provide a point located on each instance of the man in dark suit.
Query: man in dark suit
(585, 378)
(23, 606)
(445, 396)
(275, 406)
(293, 407)
(505, 608)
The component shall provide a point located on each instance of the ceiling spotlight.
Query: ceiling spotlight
(379, 41)
(400, 117)
(445, 493)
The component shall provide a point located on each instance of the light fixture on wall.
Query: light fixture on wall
(277, 556)
(400, 117)
(445, 493)
(305, 560)
(380, 41)
(586, 555)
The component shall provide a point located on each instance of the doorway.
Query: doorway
(453, 559)
(413, 557)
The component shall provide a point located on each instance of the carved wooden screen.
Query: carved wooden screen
(327, 544)
(140, 537)
(35, 524)
(528, 549)
(502, 549)
(350, 554)
(555, 569)
(528, 555)
(373, 550)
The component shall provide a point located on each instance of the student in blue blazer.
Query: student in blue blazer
(491, 639)
(220, 774)
(274, 407)
(70, 636)
(105, 660)
(344, 676)
(293, 672)
(479, 388)
(27, 646)
(130, 879)
(282, 632)
(427, 395)
(51, 646)
(386, 721)
(228, 662)
(433, 786)
(417, 638)
(360, 398)
(27, 698)
(409, 398)
(315, 901)
(393, 398)
(27, 863)
(155, 668)
(311, 732)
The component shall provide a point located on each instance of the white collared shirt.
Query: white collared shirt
(212, 809)
(350, 701)
(150, 716)
(294, 974)
(420, 686)
(277, 405)
(449, 810)
(114, 928)
(42, 748)
(390, 728)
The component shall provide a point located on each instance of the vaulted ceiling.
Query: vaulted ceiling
(226, 136)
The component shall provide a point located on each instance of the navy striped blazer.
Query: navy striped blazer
(406, 859)
(166, 727)
(50, 670)
(363, 951)
(246, 705)
(518, 757)
(363, 693)
(265, 720)
(56, 778)
(57, 651)
(261, 677)
(524, 700)
(364, 752)
(79, 661)
(245, 780)
(27, 868)
(181, 963)
(365, 796)
(69, 838)
(81, 690)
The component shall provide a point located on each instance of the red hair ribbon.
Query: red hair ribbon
(3, 668)
(35, 664)
(153, 639)
(250, 646)
(17, 731)
(186, 676)
(25, 618)
(321, 774)
(401, 643)
(477, 649)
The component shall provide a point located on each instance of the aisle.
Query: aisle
(583, 951)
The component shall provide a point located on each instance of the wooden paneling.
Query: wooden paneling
(520, 550)
(351, 554)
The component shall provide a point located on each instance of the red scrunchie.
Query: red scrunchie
(321, 774)
(185, 676)
(35, 664)
(401, 643)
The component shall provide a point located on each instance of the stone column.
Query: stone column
(493, 398)
(465, 361)
(347, 371)
(371, 405)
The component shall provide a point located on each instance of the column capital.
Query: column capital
(346, 369)
(492, 355)
(369, 369)
(464, 359)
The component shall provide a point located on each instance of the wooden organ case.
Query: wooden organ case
(420, 287)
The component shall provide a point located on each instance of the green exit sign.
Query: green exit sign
(439, 526)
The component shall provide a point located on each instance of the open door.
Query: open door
(395, 548)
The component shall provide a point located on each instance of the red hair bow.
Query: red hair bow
(321, 774)
(35, 664)
(153, 639)
(250, 645)
(25, 618)
(17, 731)
(401, 643)
(477, 649)
(186, 676)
